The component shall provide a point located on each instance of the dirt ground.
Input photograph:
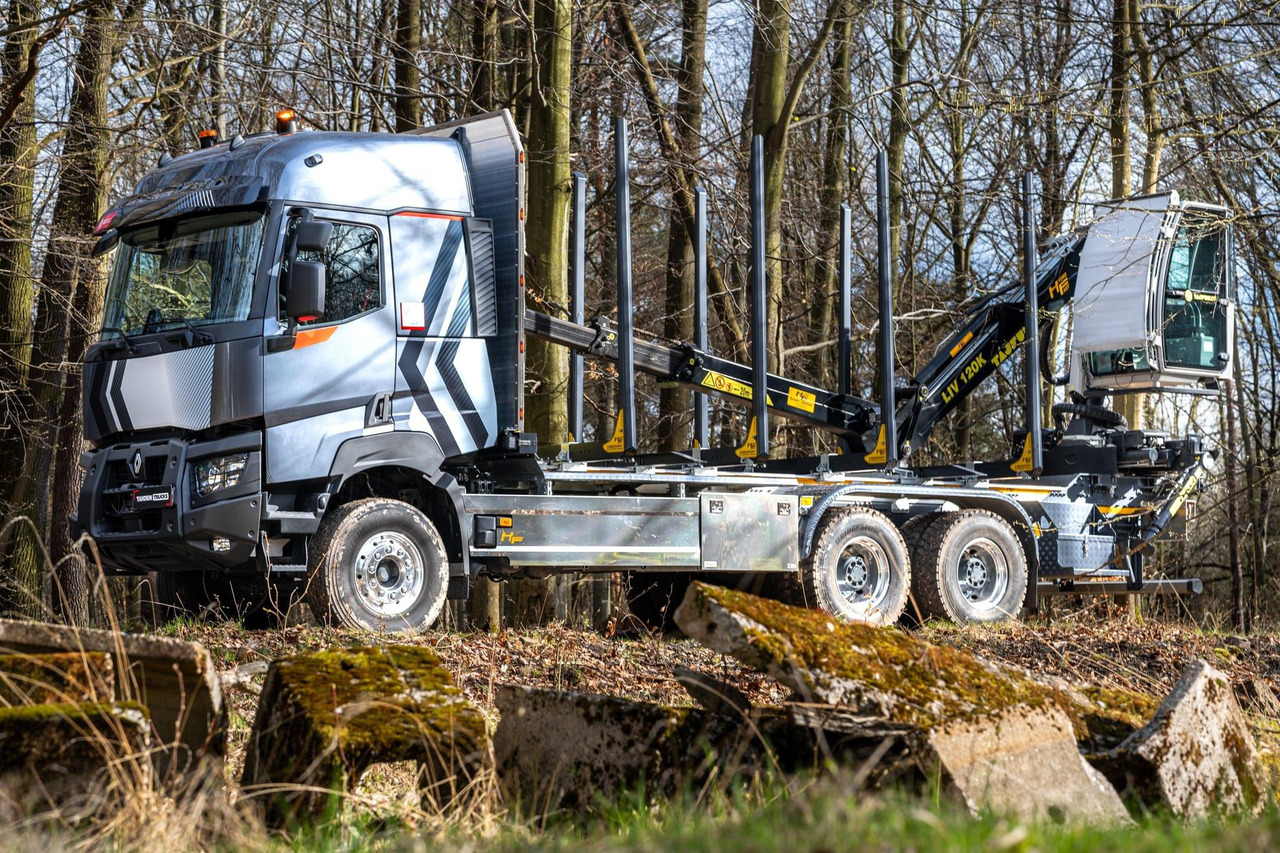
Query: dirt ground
(1137, 655)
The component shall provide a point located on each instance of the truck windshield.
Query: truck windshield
(194, 271)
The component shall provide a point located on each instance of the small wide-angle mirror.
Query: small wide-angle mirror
(312, 235)
(106, 242)
(305, 296)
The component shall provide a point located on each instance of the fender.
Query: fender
(416, 451)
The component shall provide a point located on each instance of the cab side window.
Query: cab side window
(353, 272)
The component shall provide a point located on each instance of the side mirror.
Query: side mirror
(312, 236)
(305, 296)
(105, 243)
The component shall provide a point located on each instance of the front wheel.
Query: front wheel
(859, 570)
(971, 567)
(380, 565)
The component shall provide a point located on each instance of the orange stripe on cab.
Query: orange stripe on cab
(421, 214)
(310, 337)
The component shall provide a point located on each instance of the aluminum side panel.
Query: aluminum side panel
(591, 531)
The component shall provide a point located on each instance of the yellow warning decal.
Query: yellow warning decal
(879, 453)
(723, 384)
(802, 400)
(616, 444)
(749, 448)
(1025, 461)
(955, 349)
(806, 500)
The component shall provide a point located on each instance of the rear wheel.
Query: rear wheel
(860, 570)
(380, 565)
(971, 568)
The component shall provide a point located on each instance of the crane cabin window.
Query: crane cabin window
(353, 272)
(1194, 314)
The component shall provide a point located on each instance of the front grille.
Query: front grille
(119, 483)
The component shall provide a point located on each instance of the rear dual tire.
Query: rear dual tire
(860, 570)
(969, 566)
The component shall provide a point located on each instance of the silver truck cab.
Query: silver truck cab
(222, 421)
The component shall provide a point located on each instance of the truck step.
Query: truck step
(294, 523)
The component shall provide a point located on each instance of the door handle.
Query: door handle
(378, 410)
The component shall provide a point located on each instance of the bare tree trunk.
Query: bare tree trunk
(547, 257)
(834, 185)
(17, 285)
(674, 428)
(81, 197)
(408, 95)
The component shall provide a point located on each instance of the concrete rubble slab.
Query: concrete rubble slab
(325, 717)
(1197, 755)
(174, 680)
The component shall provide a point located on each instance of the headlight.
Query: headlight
(220, 473)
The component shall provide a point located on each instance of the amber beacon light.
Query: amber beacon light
(286, 121)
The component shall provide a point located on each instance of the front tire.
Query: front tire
(971, 567)
(860, 570)
(378, 565)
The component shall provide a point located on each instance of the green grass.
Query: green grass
(818, 817)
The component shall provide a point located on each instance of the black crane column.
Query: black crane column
(1032, 352)
(577, 280)
(845, 277)
(701, 403)
(626, 306)
(885, 269)
(759, 342)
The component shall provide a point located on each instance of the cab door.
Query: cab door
(336, 379)
(444, 385)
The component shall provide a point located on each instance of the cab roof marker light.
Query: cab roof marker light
(105, 222)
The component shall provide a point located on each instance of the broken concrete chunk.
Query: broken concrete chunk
(175, 680)
(1021, 762)
(571, 750)
(70, 757)
(885, 679)
(61, 677)
(325, 717)
(1196, 755)
(877, 672)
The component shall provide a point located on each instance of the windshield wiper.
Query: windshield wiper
(124, 338)
(192, 336)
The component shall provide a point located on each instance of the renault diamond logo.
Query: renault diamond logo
(135, 464)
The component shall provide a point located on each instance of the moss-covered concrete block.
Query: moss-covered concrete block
(174, 679)
(884, 674)
(325, 717)
(1196, 755)
(75, 758)
(59, 677)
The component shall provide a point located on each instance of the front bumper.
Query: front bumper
(177, 535)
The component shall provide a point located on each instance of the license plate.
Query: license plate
(152, 497)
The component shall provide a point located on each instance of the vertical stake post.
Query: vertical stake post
(845, 278)
(888, 408)
(626, 305)
(701, 405)
(577, 289)
(1032, 354)
(759, 341)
